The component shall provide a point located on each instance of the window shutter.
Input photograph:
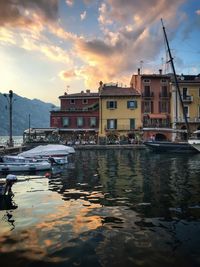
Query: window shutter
(135, 103)
(142, 106)
(107, 104)
(115, 104)
(128, 104)
(115, 124)
(151, 106)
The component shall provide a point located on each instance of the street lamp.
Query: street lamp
(9, 98)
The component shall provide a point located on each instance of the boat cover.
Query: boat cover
(48, 150)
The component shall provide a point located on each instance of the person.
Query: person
(10, 180)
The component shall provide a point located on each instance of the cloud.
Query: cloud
(21, 13)
(70, 2)
(128, 38)
(198, 12)
(68, 74)
(83, 15)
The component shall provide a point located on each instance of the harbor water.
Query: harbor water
(108, 208)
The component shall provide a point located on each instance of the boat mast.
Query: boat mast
(176, 80)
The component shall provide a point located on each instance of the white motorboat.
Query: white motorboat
(48, 151)
(195, 142)
(28, 166)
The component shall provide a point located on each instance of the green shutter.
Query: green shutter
(132, 124)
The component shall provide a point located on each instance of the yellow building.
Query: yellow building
(190, 92)
(119, 112)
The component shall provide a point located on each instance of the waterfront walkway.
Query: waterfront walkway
(19, 149)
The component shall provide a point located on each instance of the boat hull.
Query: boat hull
(195, 143)
(15, 167)
(171, 147)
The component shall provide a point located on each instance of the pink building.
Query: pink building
(155, 103)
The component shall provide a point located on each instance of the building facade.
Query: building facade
(119, 112)
(190, 92)
(78, 117)
(155, 103)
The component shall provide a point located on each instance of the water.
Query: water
(112, 208)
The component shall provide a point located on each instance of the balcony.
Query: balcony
(187, 98)
(156, 124)
(120, 127)
(191, 120)
(165, 96)
(148, 95)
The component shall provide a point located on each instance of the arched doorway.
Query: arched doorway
(184, 135)
(160, 137)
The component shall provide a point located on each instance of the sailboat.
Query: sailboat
(168, 146)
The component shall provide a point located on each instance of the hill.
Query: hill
(39, 114)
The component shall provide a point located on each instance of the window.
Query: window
(79, 121)
(164, 91)
(132, 104)
(185, 92)
(112, 124)
(147, 91)
(186, 109)
(65, 121)
(163, 106)
(84, 101)
(199, 111)
(147, 106)
(199, 92)
(93, 121)
(72, 101)
(111, 104)
(132, 124)
(146, 80)
(163, 81)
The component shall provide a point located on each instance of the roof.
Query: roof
(161, 76)
(82, 94)
(118, 91)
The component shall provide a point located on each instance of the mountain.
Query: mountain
(39, 114)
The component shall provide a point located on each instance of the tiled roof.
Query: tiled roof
(80, 95)
(118, 91)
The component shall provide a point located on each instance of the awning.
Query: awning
(157, 116)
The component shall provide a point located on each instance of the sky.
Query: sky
(48, 47)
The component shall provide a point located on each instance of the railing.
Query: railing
(120, 127)
(194, 119)
(156, 125)
(187, 98)
(167, 95)
(148, 95)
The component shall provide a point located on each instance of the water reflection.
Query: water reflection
(112, 208)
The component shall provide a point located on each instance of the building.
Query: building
(119, 113)
(78, 117)
(155, 104)
(190, 91)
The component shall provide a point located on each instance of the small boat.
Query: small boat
(21, 167)
(172, 147)
(195, 142)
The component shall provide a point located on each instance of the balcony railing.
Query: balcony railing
(120, 127)
(156, 125)
(192, 120)
(166, 95)
(187, 98)
(148, 95)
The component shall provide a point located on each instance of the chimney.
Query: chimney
(100, 86)
(138, 71)
(160, 71)
(87, 91)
